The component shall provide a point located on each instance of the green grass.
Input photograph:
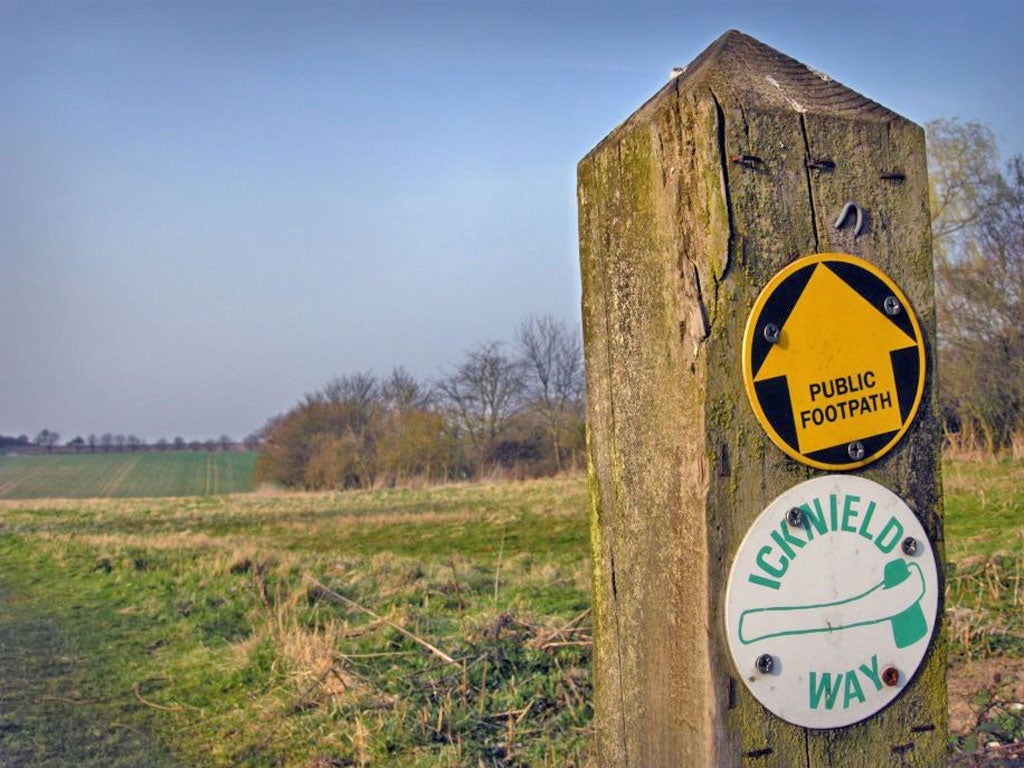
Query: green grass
(40, 723)
(121, 475)
(984, 508)
(288, 629)
(984, 529)
(231, 615)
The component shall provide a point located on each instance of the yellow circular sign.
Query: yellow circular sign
(833, 361)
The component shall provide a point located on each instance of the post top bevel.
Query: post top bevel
(737, 69)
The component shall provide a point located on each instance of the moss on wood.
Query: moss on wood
(685, 212)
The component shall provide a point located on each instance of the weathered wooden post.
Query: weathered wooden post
(758, 312)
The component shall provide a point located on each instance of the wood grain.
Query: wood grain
(685, 211)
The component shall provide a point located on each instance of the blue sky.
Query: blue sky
(209, 209)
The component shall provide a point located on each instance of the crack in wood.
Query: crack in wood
(810, 185)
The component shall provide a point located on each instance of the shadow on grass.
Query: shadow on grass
(50, 713)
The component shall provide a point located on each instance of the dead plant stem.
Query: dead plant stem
(401, 630)
(497, 568)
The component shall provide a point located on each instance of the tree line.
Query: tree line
(978, 242)
(511, 409)
(520, 407)
(48, 441)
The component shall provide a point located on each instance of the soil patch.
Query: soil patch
(973, 687)
(973, 684)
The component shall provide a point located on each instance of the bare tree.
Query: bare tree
(47, 439)
(482, 395)
(354, 399)
(978, 228)
(982, 302)
(401, 391)
(412, 440)
(962, 170)
(328, 440)
(552, 362)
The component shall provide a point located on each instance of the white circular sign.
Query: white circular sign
(831, 601)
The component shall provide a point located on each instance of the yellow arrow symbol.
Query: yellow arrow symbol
(834, 351)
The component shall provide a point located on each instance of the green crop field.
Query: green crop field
(121, 475)
(444, 626)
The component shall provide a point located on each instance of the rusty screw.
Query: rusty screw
(909, 545)
(795, 517)
(765, 663)
(890, 676)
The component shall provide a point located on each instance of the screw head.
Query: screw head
(856, 450)
(765, 663)
(771, 333)
(795, 517)
(890, 676)
(909, 545)
(891, 305)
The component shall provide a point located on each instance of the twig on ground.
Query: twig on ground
(135, 690)
(497, 568)
(570, 628)
(259, 583)
(363, 630)
(566, 643)
(375, 655)
(522, 624)
(76, 702)
(300, 702)
(458, 593)
(518, 714)
(402, 630)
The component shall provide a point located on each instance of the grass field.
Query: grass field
(437, 627)
(120, 475)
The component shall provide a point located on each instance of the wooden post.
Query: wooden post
(735, 168)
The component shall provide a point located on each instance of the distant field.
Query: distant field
(121, 475)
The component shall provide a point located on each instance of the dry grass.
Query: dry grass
(206, 602)
(257, 664)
